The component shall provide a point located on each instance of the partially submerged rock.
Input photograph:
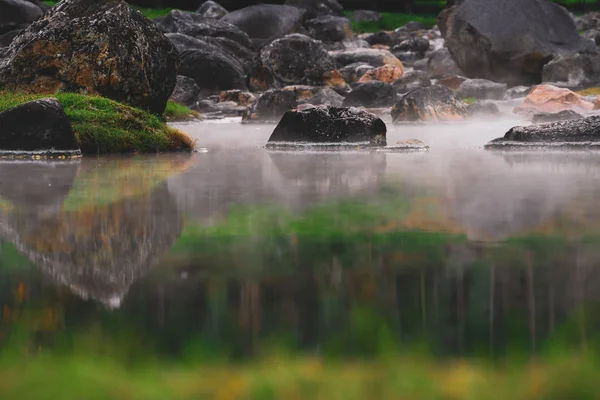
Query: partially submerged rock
(405, 146)
(328, 125)
(481, 89)
(542, 118)
(548, 98)
(434, 103)
(271, 106)
(265, 21)
(93, 47)
(39, 127)
(584, 132)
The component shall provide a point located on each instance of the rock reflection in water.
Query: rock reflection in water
(96, 249)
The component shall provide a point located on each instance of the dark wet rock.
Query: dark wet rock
(366, 16)
(453, 82)
(272, 105)
(412, 26)
(212, 71)
(441, 65)
(573, 71)
(383, 38)
(7, 38)
(297, 59)
(315, 8)
(195, 25)
(417, 45)
(566, 115)
(421, 65)
(518, 92)
(577, 132)
(352, 44)
(374, 57)
(434, 103)
(408, 57)
(371, 94)
(211, 109)
(243, 55)
(186, 91)
(211, 9)
(93, 47)
(482, 109)
(329, 28)
(411, 81)
(37, 126)
(265, 21)
(17, 14)
(481, 89)
(509, 41)
(330, 125)
(353, 72)
(239, 97)
(317, 96)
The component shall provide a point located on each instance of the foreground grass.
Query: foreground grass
(409, 377)
(104, 126)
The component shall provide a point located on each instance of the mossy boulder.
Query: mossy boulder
(93, 47)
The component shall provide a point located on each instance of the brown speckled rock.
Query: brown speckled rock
(93, 47)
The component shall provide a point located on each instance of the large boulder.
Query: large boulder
(93, 47)
(16, 14)
(372, 94)
(297, 59)
(374, 57)
(271, 106)
(195, 25)
(37, 126)
(572, 133)
(441, 65)
(481, 89)
(264, 21)
(329, 28)
(509, 41)
(243, 55)
(330, 125)
(315, 8)
(213, 71)
(434, 103)
(211, 9)
(548, 98)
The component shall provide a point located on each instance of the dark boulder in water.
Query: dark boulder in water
(433, 103)
(93, 47)
(582, 132)
(265, 21)
(565, 115)
(39, 126)
(330, 125)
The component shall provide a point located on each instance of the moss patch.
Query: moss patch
(389, 22)
(104, 126)
(177, 112)
(469, 100)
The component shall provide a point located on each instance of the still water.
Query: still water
(465, 251)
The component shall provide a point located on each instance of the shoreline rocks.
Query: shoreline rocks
(433, 103)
